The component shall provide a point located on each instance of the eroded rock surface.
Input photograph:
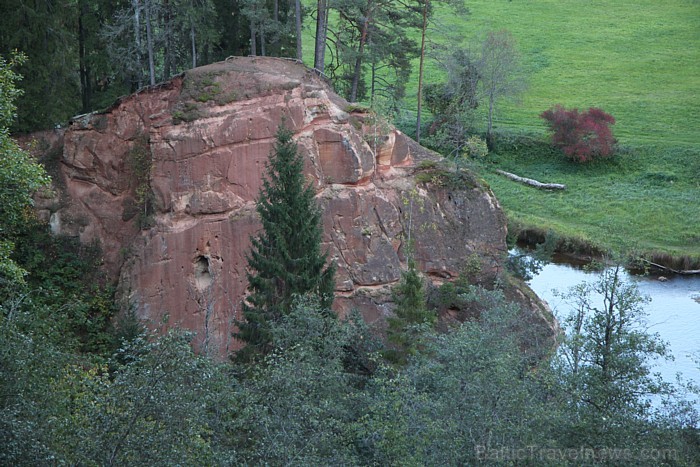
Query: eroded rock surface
(167, 179)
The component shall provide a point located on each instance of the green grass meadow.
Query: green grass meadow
(644, 200)
(638, 60)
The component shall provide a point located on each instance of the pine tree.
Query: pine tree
(285, 259)
(372, 34)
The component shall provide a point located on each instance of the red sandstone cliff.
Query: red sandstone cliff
(206, 136)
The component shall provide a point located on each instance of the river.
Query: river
(673, 313)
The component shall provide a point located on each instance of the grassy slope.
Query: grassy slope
(640, 61)
(637, 59)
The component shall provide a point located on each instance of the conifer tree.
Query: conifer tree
(409, 296)
(411, 311)
(285, 259)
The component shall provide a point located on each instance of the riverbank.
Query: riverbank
(579, 251)
(642, 203)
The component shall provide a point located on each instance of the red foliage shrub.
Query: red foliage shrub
(583, 136)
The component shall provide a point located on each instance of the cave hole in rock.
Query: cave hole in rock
(202, 274)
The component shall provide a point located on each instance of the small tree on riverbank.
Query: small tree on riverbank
(500, 73)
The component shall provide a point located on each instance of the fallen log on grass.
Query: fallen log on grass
(531, 182)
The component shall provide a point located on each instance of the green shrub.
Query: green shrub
(69, 292)
(476, 148)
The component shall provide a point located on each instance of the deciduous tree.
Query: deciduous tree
(453, 103)
(20, 175)
(300, 405)
(500, 73)
(488, 71)
(153, 404)
(467, 388)
(426, 12)
(605, 361)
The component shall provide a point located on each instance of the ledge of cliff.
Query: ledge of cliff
(166, 180)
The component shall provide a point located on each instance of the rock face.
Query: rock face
(167, 179)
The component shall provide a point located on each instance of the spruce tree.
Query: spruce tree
(411, 311)
(285, 258)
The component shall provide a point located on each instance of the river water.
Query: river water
(673, 313)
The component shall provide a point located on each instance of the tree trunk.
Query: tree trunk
(674, 271)
(297, 22)
(149, 44)
(137, 39)
(531, 182)
(168, 46)
(356, 75)
(321, 32)
(372, 84)
(360, 50)
(420, 68)
(85, 86)
(275, 49)
(489, 128)
(194, 44)
(253, 49)
(262, 41)
(610, 300)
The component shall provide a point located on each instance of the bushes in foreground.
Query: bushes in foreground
(324, 396)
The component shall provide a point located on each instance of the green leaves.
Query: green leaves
(152, 403)
(466, 388)
(412, 314)
(607, 351)
(604, 364)
(20, 177)
(43, 31)
(8, 90)
(297, 407)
